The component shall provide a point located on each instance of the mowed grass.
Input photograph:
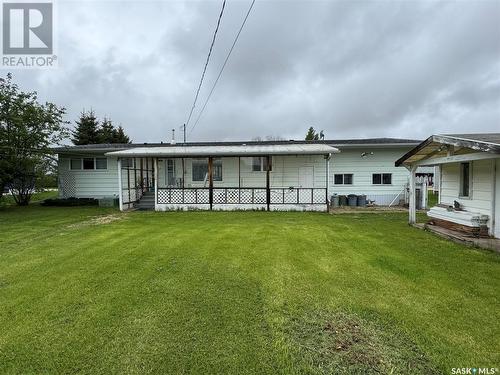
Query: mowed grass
(91, 290)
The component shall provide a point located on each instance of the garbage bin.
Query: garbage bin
(334, 201)
(353, 200)
(362, 200)
(342, 200)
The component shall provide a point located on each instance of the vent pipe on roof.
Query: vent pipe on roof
(172, 142)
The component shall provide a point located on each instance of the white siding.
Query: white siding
(362, 168)
(285, 172)
(88, 183)
(481, 197)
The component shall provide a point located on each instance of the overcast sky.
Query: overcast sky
(353, 68)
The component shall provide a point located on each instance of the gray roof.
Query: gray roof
(387, 142)
(491, 138)
(232, 150)
(437, 145)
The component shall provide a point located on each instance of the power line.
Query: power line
(223, 66)
(206, 62)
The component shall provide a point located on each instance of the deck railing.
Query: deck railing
(250, 196)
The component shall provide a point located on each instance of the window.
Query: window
(170, 172)
(217, 172)
(259, 164)
(200, 169)
(88, 163)
(343, 179)
(128, 163)
(382, 178)
(386, 178)
(101, 163)
(464, 179)
(76, 164)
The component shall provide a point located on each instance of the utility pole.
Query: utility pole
(184, 129)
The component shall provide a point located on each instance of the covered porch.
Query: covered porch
(469, 188)
(241, 177)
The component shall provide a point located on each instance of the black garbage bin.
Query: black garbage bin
(352, 199)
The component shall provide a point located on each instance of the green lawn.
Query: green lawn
(91, 290)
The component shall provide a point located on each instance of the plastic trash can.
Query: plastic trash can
(352, 200)
(362, 200)
(334, 200)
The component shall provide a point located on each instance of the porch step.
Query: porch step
(147, 202)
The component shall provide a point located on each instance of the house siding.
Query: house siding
(87, 183)
(362, 168)
(481, 186)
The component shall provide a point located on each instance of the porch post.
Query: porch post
(412, 219)
(268, 183)
(120, 189)
(210, 182)
(155, 179)
(327, 159)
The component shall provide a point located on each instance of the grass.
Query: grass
(91, 290)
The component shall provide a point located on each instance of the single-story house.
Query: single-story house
(469, 188)
(273, 175)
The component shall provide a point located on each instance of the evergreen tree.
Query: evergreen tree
(311, 134)
(86, 131)
(119, 136)
(106, 132)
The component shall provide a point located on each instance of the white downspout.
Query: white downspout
(120, 191)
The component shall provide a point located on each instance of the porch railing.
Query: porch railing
(230, 195)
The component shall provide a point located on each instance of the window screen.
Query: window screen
(101, 163)
(76, 164)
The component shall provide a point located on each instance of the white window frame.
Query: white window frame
(88, 169)
(381, 179)
(461, 182)
(343, 178)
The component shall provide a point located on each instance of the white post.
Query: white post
(120, 191)
(327, 158)
(412, 219)
(155, 176)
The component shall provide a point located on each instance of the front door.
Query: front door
(306, 177)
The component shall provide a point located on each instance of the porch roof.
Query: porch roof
(435, 149)
(234, 150)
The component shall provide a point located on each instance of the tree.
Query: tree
(86, 131)
(312, 135)
(119, 136)
(106, 132)
(27, 131)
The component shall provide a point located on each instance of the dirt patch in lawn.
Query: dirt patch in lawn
(98, 220)
(345, 343)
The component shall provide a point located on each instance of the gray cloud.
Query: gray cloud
(354, 69)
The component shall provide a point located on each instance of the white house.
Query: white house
(469, 190)
(273, 175)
